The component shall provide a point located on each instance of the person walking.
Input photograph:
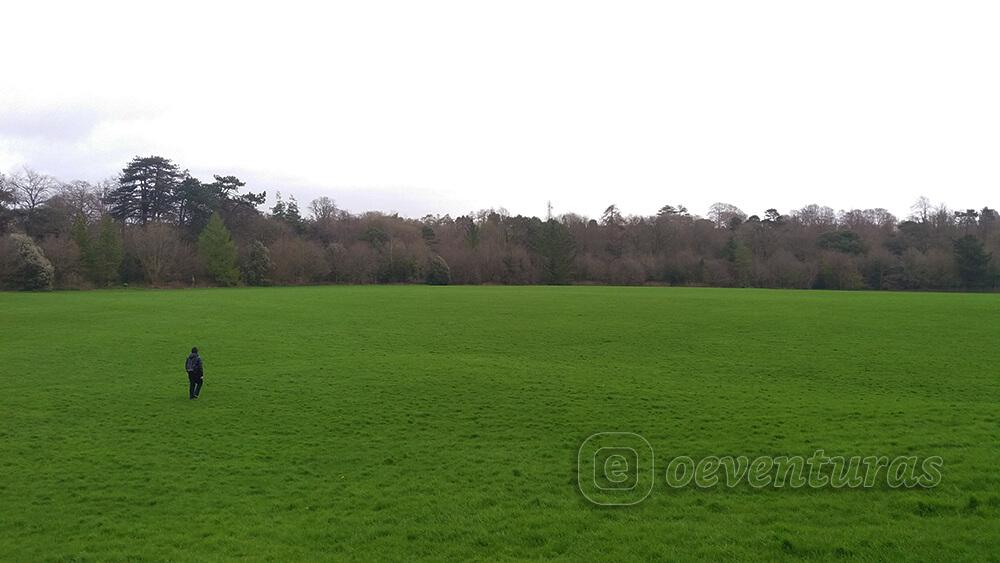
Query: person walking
(196, 373)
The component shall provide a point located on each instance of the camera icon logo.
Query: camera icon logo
(615, 468)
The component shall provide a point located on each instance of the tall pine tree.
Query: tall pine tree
(218, 252)
(146, 191)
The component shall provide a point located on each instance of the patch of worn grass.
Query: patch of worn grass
(444, 422)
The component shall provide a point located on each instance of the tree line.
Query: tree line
(157, 225)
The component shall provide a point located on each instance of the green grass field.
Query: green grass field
(444, 422)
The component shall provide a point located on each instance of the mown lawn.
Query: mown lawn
(444, 422)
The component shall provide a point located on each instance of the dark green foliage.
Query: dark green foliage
(375, 237)
(23, 265)
(292, 215)
(911, 234)
(973, 263)
(847, 242)
(396, 267)
(196, 201)
(471, 234)
(257, 266)
(612, 217)
(670, 210)
(430, 238)
(882, 270)
(45, 220)
(740, 262)
(195, 204)
(438, 272)
(218, 252)
(556, 249)
(288, 213)
(146, 191)
(837, 271)
(227, 188)
(107, 254)
(81, 236)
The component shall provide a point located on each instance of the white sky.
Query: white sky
(446, 107)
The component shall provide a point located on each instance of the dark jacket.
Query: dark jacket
(193, 364)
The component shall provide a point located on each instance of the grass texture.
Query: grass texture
(443, 423)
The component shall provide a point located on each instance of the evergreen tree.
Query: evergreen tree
(289, 213)
(227, 191)
(773, 217)
(107, 254)
(278, 211)
(81, 236)
(430, 237)
(293, 217)
(557, 250)
(218, 252)
(258, 264)
(973, 262)
(472, 234)
(740, 262)
(847, 242)
(195, 204)
(146, 191)
(612, 217)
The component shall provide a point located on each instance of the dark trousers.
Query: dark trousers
(194, 381)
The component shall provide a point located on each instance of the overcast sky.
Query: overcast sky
(446, 107)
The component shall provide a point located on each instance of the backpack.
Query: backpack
(191, 364)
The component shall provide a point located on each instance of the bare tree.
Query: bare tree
(157, 246)
(814, 215)
(83, 198)
(7, 198)
(298, 261)
(921, 209)
(103, 188)
(32, 188)
(6, 191)
(859, 219)
(323, 209)
(723, 214)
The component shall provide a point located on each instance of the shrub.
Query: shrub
(438, 272)
(23, 266)
(837, 271)
(257, 266)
